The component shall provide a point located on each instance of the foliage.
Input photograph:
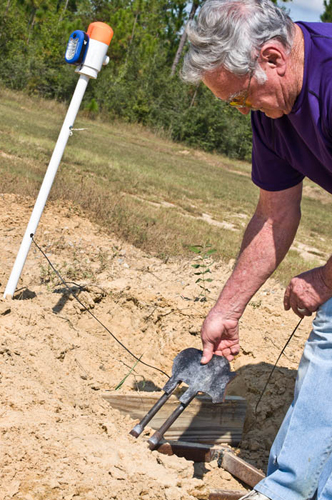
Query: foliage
(120, 384)
(136, 86)
(326, 17)
(202, 265)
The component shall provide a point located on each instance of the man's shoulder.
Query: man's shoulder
(318, 45)
(316, 30)
(318, 59)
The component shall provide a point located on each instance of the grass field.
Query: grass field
(156, 194)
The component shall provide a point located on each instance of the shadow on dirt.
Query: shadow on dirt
(65, 295)
(24, 294)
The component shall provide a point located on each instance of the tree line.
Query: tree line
(140, 84)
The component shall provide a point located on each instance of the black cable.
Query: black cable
(275, 365)
(126, 349)
(94, 317)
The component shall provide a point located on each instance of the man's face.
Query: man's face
(272, 97)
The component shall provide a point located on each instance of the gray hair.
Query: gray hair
(230, 33)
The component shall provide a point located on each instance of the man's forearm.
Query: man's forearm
(265, 244)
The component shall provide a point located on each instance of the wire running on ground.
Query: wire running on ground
(126, 348)
(275, 365)
(91, 314)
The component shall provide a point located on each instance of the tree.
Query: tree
(136, 85)
(183, 39)
(326, 17)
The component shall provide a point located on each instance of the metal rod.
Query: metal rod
(157, 436)
(138, 429)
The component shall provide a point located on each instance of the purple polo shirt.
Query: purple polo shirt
(298, 145)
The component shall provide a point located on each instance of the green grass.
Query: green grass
(139, 185)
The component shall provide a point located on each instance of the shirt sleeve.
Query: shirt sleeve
(269, 171)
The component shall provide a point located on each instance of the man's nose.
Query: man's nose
(244, 111)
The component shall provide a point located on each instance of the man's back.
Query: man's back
(299, 144)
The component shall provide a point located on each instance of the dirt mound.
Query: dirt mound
(59, 438)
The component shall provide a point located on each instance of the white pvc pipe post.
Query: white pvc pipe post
(47, 183)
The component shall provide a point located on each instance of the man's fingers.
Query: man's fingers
(299, 309)
(296, 309)
(303, 311)
(235, 349)
(287, 299)
(227, 353)
(291, 301)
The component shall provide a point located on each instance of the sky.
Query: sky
(304, 10)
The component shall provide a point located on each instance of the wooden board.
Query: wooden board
(226, 458)
(226, 494)
(202, 422)
(196, 452)
(241, 469)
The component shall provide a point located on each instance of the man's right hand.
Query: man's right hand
(220, 336)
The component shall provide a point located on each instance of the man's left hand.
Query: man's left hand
(307, 291)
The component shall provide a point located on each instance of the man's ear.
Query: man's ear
(272, 56)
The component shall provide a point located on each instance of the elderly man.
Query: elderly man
(250, 54)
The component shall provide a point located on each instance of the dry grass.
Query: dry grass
(158, 195)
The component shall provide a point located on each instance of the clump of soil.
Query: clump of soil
(59, 438)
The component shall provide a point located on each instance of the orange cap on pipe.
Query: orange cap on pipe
(101, 32)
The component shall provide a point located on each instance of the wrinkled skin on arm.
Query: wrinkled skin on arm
(266, 241)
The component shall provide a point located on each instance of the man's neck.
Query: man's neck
(297, 59)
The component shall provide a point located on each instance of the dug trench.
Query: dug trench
(59, 438)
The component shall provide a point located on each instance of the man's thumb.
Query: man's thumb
(207, 354)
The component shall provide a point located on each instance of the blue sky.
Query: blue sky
(304, 10)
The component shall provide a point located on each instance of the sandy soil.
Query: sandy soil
(59, 438)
